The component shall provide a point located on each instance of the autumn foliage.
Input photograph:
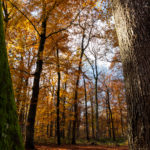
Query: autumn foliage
(57, 54)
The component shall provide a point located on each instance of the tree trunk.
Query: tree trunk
(58, 99)
(69, 127)
(75, 113)
(35, 91)
(92, 117)
(108, 120)
(76, 100)
(121, 117)
(78, 125)
(132, 19)
(10, 135)
(121, 121)
(96, 101)
(64, 112)
(110, 115)
(51, 129)
(86, 112)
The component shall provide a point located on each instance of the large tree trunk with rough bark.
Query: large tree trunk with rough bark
(132, 19)
(10, 135)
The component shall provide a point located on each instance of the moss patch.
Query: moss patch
(10, 135)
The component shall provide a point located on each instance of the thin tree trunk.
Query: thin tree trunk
(58, 99)
(78, 125)
(74, 130)
(121, 117)
(51, 129)
(108, 120)
(10, 135)
(121, 120)
(132, 19)
(69, 130)
(76, 100)
(92, 117)
(86, 111)
(56, 128)
(96, 99)
(97, 116)
(110, 114)
(48, 127)
(64, 114)
(84, 45)
(52, 123)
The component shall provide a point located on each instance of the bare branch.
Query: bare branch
(89, 36)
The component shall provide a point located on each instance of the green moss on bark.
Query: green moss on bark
(10, 135)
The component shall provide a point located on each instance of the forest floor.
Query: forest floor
(81, 147)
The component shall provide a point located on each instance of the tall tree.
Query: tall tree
(43, 36)
(94, 66)
(9, 126)
(132, 19)
(86, 27)
(58, 98)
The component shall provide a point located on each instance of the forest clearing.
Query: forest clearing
(74, 74)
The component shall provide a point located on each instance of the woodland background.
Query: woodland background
(65, 62)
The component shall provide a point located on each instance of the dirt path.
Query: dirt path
(79, 147)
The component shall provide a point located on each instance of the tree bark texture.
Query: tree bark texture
(132, 20)
(10, 135)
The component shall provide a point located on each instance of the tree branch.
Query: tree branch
(90, 65)
(25, 17)
(63, 29)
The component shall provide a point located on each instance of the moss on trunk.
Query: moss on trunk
(10, 137)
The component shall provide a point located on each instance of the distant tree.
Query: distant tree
(86, 110)
(10, 135)
(132, 19)
(86, 31)
(94, 66)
